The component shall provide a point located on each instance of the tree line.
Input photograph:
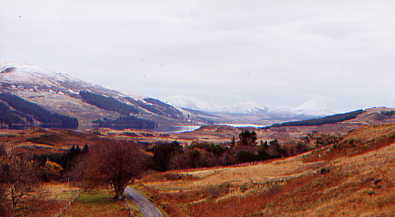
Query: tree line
(173, 155)
(331, 119)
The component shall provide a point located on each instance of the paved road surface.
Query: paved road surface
(146, 207)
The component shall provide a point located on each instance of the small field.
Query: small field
(96, 204)
(48, 200)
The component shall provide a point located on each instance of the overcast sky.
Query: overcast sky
(316, 55)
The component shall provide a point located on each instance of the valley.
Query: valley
(94, 106)
(346, 166)
(199, 108)
(87, 149)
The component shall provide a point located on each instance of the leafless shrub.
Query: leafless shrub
(216, 191)
(271, 191)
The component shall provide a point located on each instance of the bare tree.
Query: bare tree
(114, 164)
(19, 176)
(3, 201)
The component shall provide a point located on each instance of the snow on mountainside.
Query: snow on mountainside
(30, 75)
(242, 113)
(96, 106)
(205, 105)
(27, 76)
(92, 105)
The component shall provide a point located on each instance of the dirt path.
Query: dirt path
(146, 207)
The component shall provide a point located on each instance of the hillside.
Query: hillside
(354, 177)
(332, 119)
(17, 113)
(95, 106)
(252, 116)
(91, 105)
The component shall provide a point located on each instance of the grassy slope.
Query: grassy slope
(354, 178)
(48, 200)
(96, 204)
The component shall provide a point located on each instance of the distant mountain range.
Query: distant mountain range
(30, 96)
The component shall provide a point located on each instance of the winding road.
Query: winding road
(146, 207)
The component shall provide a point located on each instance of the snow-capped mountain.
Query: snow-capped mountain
(244, 112)
(35, 78)
(32, 96)
(92, 105)
(31, 75)
(197, 104)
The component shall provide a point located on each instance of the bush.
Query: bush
(245, 156)
(215, 149)
(195, 158)
(248, 138)
(263, 153)
(216, 191)
(67, 160)
(163, 152)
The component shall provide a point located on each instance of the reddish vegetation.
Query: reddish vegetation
(112, 164)
(348, 175)
(345, 179)
(357, 142)
(44, 208)
(44, 199)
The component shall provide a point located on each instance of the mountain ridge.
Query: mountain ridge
(62, 94)
(97, 106)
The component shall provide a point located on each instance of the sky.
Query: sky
(316, 56)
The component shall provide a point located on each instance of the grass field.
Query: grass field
(48, 200)
(352, 179)
(96, 204)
